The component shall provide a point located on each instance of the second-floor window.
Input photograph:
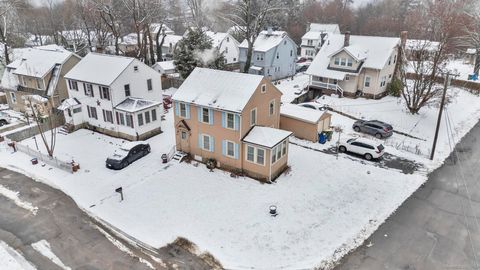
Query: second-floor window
(253, 117)
(309, 42)
(73, 85)
(88, 89)
(127, 90)
(104, 93)
(205, 115)
(271, 108)
(149, 85)
(337, 61)
(230, 121)
(183, 110)
(349, 62)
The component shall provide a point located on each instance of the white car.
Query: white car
(365, 147)
(4, 119)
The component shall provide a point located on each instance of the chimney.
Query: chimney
(270, 31)
(346, 40)
(403, 38)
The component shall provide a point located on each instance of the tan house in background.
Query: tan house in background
(305, 123)
(233, 118)
(40, 72)
(354, 65)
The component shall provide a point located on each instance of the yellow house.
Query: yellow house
(233, 118)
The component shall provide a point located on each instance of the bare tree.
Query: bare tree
(110, 12)
(471, 37)
(249, 17)
(8, 23)
(43, 114)
(197, 8)
(421, 88)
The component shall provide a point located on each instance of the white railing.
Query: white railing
(172, 152)
(329, 86)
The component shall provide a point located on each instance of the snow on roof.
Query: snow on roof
(10, 80)
(471, 51)
(132, 104)
(37, 62)
(165, 29)
(171, 39)
(266, 136)
(301, 113)
(218, 89)
(217, 37)
(312, 35)
(166, 65)
(100, 69)
(266, 41)
(374, 50)
(68, 103)
(325, 28)
(419, 44)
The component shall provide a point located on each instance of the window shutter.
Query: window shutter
(224, 147)
(237, 122)
(199, 113)
(210, 116)
(187, 110)
(118, 118)
(177, 108)
(212, 144)
(85, 88)
(237, 150)
(104, 117)
(88, 111)
(224, 119)
(200, 141)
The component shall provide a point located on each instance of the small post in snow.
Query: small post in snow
(339, 130)
(120, 190)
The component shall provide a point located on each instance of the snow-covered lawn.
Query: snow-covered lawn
(462, 69)
(13, 260)
(326, 206)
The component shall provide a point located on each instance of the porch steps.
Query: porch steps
(65, 129)
(179, 156)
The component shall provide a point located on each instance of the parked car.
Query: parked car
(367, 148)
(5, 119)
(302, 60)
(376, 128)
(302, 67)
(127, 154)
(315, 106)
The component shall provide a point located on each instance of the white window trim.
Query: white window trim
(369, 81)
(263, 88)
(234, 121)
(274, 108)
(209, 142)
(234, 149)
(180, 110)
(255, 155)
(256, 116)
(275, 150)
(13, 97)
(208, 115)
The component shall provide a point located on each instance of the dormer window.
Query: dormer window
(337, 61)
(343, 61)
(349, 62)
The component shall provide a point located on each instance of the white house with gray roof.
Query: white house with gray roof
(315, 37)
(118, 96)
(354, 65)
(274, 55)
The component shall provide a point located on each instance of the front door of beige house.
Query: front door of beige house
(185, 140)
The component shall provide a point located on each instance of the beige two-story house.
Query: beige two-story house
(350, 65)
(40, 71)
(233, 118)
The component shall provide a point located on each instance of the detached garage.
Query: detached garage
(305, 123)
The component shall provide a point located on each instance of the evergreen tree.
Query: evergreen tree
(195, 50)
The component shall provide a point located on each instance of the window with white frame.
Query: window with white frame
(337, 61)
(154, 115)
(230, 149)
(183, 110)
(253, 117)
(279, 151)
(126, 87)
(343, 61)
(260, 156)
(206, 142)
(13, 97)
(250, 153)
(120, 118)
(88, 89)
(255, 155)
(147, 117)
(140, 119)
(92, 112)
(149, 85)
(230, 119)
(383, 82)
(367, 81)
(349, 62)
(73, 85)
(39, 83)
(263, 89)
(129, 120)
(104, 93)
(107, 116)
(183, 135)
(347, 78)
(205, 115)
(271, 108)
(77, 110)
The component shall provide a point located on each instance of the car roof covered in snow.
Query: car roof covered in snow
(266, 136)
(166, 65)
(367, 141)
(129, 145)
(374, 51)
(218, 89)
(37, 62)
(100, 69)
(301, 113)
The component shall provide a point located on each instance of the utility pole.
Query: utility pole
(442, 104)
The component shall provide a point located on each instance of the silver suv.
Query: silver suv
(376, 128)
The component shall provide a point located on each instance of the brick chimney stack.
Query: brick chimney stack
(346, 41)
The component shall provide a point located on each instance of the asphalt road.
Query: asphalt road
(72, 234)
(438, 227)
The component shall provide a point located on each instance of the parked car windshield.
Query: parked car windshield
(351, 140)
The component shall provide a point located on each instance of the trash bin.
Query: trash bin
(34, 161)
(164, 158)
(322, 138)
